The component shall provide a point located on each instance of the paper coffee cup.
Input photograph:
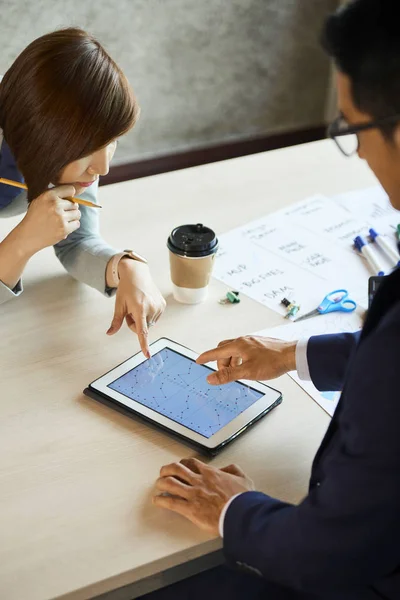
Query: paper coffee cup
(192, 250)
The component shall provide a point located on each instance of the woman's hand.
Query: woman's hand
(50, 219)
(138, 301)
(253, 358)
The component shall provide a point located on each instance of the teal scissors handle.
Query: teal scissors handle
(337, 301)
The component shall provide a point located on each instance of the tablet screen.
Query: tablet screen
(175, 386)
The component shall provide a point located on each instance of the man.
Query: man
(342, 541)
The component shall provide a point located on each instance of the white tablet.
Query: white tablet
(171, 391)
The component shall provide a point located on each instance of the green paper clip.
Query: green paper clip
(230, 298)
(291, 308)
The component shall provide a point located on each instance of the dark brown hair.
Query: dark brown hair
(62, 99)
(362, 37)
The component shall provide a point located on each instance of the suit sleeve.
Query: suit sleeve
(345, 532)
(328, 358)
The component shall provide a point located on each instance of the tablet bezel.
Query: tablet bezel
(241, 422)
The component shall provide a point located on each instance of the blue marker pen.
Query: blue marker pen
(369, 254)
(385, 246)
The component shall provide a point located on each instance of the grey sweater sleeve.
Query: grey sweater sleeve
(84, 254)
(17, 206)
(7, 293)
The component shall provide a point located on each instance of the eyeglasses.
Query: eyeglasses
(345, 135)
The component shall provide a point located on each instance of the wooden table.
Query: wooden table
(76, 478)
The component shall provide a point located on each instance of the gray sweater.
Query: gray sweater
(84, 254)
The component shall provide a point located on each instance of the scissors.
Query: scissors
(335, 301)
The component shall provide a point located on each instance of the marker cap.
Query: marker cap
(359, 242)
(373, 234)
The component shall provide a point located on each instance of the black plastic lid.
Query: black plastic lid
(193, 241)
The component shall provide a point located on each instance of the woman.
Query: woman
(63, 104)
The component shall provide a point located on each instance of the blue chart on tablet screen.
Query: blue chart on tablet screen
(176, 387)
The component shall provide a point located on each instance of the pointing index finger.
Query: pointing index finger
(142, 333)
(226, 351)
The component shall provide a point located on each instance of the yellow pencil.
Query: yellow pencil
(25, 187)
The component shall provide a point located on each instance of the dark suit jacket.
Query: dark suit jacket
(343, 540)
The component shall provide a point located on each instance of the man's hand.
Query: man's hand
(199, 492)
(253, 358)
(138, 301)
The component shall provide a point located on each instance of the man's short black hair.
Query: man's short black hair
(363, 38)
